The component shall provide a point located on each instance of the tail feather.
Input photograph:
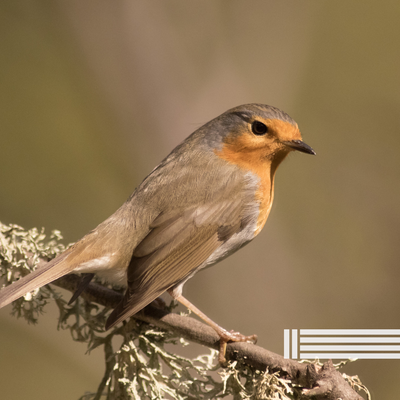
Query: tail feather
(41, 276)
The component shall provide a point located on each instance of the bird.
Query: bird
(208, 198)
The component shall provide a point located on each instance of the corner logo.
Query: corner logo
(376, 344)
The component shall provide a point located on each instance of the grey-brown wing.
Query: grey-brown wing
(176, 246)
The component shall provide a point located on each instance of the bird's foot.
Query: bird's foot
(225, 336)
(231, 336)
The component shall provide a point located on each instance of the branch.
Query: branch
(318, 382)
(137, 366)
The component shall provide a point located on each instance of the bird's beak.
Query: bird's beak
(300, 146)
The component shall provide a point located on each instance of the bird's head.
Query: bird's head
(257, 134)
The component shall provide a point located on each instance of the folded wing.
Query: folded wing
(177, 245)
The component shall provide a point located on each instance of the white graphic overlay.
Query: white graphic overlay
(342, 343)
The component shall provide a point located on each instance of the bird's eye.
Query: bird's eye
(258, 128)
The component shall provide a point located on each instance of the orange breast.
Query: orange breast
(261, 155)
(254, 161)
(265, 196)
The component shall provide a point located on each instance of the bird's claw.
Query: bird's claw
(232, 336)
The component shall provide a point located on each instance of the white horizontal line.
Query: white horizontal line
(341, 347)
(345, 356)
(356, 339)
(350, 332)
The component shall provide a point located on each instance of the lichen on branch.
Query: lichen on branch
(141, 357)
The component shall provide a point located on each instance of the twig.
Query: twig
(318, 382)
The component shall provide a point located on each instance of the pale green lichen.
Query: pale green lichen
(20, 251)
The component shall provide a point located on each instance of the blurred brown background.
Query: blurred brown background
(93, 94)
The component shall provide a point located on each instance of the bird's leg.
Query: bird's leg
(225, 336)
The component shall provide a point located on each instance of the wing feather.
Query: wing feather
(173, 250)
(158, 278)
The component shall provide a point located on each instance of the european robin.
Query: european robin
(207, 199)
